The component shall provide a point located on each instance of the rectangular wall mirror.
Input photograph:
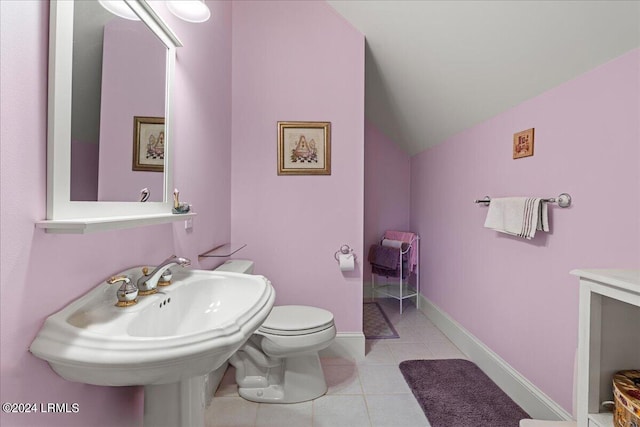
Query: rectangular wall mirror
(109, 123)
(117, 107)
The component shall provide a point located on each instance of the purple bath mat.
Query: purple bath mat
(456, 393)
(375, 323)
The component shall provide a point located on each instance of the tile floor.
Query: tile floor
(372, 392)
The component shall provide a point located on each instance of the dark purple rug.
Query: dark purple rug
(456, 393)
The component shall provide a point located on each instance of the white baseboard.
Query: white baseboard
(347, 345)
(521, 390)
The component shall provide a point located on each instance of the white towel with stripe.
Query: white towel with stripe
(518, 216)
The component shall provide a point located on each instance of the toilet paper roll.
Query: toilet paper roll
(347, 262)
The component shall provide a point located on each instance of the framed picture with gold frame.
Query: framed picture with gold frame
(304, 148)
(148, 144)
(523, 144)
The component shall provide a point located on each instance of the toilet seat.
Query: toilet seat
(293, 330)
(295, 320)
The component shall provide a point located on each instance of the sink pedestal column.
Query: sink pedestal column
(175, 405)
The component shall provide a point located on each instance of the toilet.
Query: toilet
(280, 363)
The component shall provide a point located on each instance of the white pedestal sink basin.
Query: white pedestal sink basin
(167, 342)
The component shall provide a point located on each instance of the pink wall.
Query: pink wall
(84, 171)
(387, 174)
(293, 225)
(133, 84)
(42, 272)
(515, 295)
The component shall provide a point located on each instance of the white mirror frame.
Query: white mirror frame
(60, 209)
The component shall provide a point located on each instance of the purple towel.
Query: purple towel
(390, 273)
(384, 256)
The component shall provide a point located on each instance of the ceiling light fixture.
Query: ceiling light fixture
(119, 8)
(189, 10)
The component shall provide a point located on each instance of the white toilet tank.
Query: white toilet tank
(237, 266)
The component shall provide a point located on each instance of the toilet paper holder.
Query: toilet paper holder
(345, 250)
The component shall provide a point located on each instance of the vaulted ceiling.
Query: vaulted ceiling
(435, 68)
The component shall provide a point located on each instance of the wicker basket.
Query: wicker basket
(626, 392)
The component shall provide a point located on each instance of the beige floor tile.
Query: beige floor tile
(412, 334)
(445, 350)
(433, 334)
(231, 412)
(329, 361)
(340, 411)
(342, 379)
(382, 379)
(394, 410)
(377, 353)
(289, 415)
(410, 351)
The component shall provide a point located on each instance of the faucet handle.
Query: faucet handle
(127, 293)
(117, 279)
(165, 278)
(145, 288)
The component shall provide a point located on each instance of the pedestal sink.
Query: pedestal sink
(166, 343)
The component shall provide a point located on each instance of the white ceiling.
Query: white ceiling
(435, 68)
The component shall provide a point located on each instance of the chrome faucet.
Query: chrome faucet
(128, 292)
(148, 283)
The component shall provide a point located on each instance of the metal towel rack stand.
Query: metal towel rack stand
(402, 289)
(563, 200)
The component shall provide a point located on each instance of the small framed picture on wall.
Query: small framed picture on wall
(304, 148)
(148, 144)
(523, 144)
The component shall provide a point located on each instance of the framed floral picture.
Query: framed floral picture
(304, 148)
(148, 144)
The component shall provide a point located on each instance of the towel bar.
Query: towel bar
(563, 200)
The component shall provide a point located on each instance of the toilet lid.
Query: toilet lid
(296, 320)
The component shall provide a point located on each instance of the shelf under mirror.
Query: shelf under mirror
(89, 225)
